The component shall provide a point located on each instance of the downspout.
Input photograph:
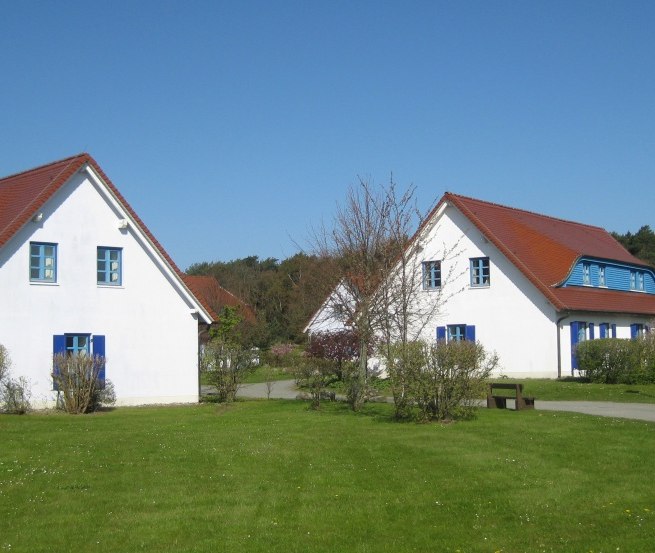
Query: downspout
(559, 345)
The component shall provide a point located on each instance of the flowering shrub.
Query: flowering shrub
(281, 355)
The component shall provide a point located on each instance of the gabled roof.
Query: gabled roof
(217, 297)
(22, 196)
(545, 249)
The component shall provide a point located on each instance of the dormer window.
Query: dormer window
(601, 275)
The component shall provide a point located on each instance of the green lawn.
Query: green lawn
(273, 476)
(565, 390)
(578, 390)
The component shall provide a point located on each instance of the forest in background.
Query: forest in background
(285, 294)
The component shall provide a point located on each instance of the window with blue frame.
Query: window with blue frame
(638, 329)
(80, 344)
(456, 333)
(431, 275)
(480, 275)
(43, 262)
(633, 280)
(578, 334)
(586, 274)
(109, 267)
(601, 275)
(640, 281)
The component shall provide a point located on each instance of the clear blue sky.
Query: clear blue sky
(231, 127)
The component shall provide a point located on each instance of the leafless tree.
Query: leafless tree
(381, 291)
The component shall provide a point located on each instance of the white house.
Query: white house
(526, 285)
(79, 271)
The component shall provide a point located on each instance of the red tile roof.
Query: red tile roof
(545, 249)
(22, 196)
(216, 296)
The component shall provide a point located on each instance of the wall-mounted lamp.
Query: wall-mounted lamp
(38, 217)
(122, 224)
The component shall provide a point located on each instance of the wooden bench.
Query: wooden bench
(500, 401)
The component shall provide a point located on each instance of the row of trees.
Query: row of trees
(641, 244)
(284, 294)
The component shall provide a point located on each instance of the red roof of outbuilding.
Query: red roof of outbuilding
(216, 296)
(545, 249)
(22, 196)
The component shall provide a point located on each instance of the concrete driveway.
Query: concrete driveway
(286, 389)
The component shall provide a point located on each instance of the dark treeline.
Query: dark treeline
(284, 294)
(641, 244)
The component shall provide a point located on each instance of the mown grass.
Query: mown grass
(579, 390)
(273, 476)
(563, 390)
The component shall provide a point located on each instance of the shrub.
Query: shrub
(5, 363)
(227, 364)
(454, 377)
(404, 362)
(441, 381)
(341, 347)
(617, 361)
(14, 393)
(77, 380)
(314, 374)
(282, 355)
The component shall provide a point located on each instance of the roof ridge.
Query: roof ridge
(30, 205)
(527, 211)
(43, 166)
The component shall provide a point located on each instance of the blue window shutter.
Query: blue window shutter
(441, 333)
(58, 346)
(470, 333)
(603, 330)
(99, 349)
(614, 330)
(575, 328)
(591, 331)
(634, 331)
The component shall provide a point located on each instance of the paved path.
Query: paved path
(286, 389)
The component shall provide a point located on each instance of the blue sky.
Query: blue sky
(232, 127)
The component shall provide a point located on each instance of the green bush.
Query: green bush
(618, 361)
(14, 392)
(227, 364)
(441, 381)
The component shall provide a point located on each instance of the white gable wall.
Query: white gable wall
(150, 330)
(510, 316)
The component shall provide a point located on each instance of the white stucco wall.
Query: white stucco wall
(511, 316)
(150, 330)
